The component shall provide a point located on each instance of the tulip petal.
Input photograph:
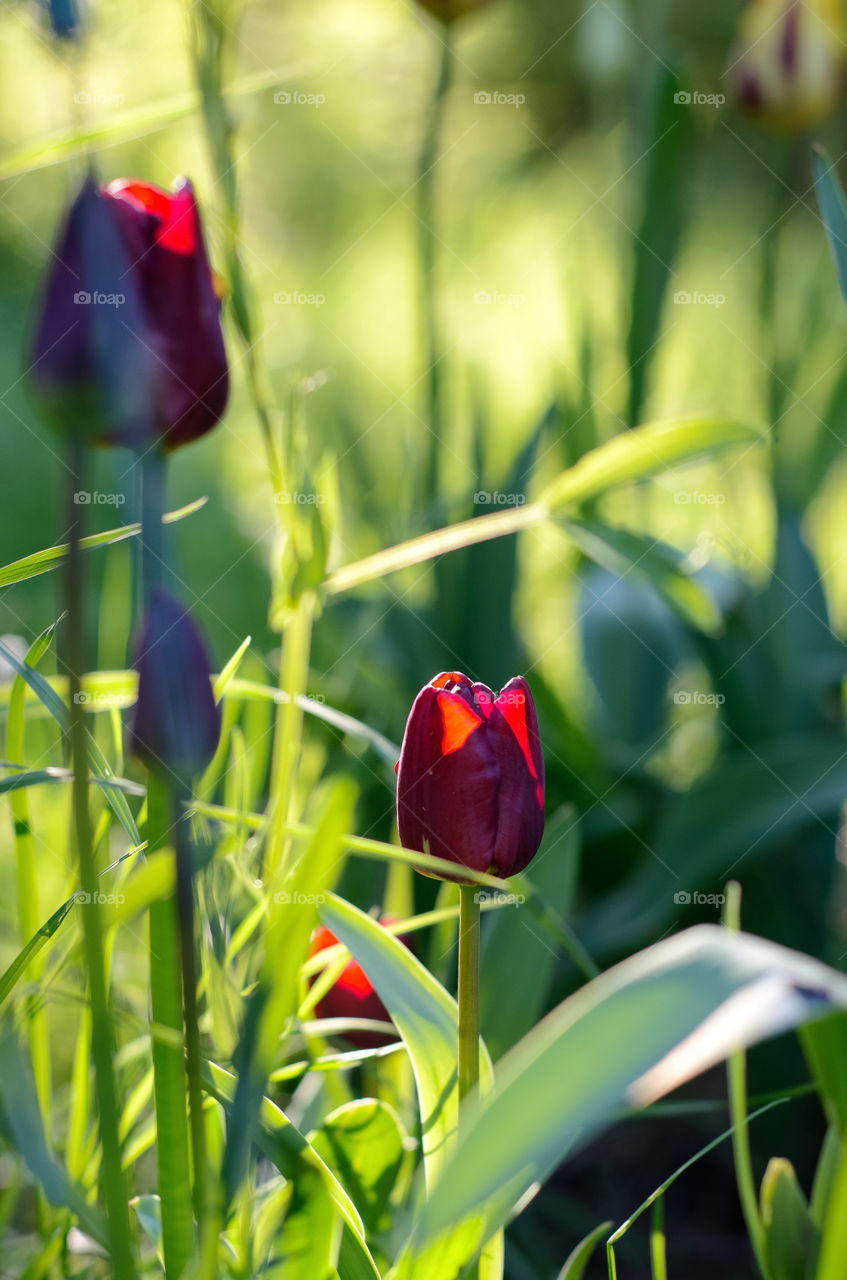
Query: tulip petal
(447, 804)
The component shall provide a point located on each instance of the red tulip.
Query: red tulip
(129, 341)
(352, 996)
(470, 782)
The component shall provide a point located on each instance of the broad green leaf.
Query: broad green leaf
(627, 1038)
(580, 1255)
(289, 1151)
(635, 455)
(662, 567)
(643, 452)
(51, 557)
(825, 1046)
(148, 1210)
(833, 211)
(362, 1142)
(308, 1246)
(426, 1017)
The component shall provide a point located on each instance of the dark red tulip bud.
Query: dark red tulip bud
(93, 359)
(352, 996)
(129, 331)
(163, 233)
(177, 723)
(470, 782)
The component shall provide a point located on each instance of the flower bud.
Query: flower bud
(788, 63)
(128, 346)
(352, 995)
(470, 781)
(177, 723)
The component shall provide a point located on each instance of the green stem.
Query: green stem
(185, 915)
(737, 1081)
(288, 733)
(114, 1188)
(168, 1055)
(658, 1259)
(153, 467)
(428, 237)
(468, 988)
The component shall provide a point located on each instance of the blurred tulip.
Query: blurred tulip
(129, 342)
(448, 11)
(788, 63)
(177, 722)
(352, 996)
(470, 781)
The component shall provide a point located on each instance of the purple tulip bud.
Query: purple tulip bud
(129, 347)
(177, 723)
(470, 782)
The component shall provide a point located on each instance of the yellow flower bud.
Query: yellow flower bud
(789, 61)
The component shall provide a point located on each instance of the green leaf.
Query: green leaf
(43, 561)
(580, 1255)
(643, 452)
(833, 211)
(36, 943)
(223, 681)
(792, 1240)
(627, 1038)
(426, 1017)
(362, 1142)
(825, 1046)
(148, 1210)
(660, 566)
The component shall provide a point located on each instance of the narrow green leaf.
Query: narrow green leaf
(362, 1142)
(833, 208)
(51, 557)
(580, 1255)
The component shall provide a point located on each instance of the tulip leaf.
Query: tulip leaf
(638, 1031)
(624, 553)
(362, 1142)
(792, 1239)
(51, 557)
(426, 1017)
(634, 455)
(833, 208)
(580, 1255)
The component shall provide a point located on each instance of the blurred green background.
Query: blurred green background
(570, 221)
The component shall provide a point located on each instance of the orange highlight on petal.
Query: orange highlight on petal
(460, 720)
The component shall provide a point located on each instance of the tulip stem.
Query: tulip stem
(185, 917)
(468, 988)
(113, 1184)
